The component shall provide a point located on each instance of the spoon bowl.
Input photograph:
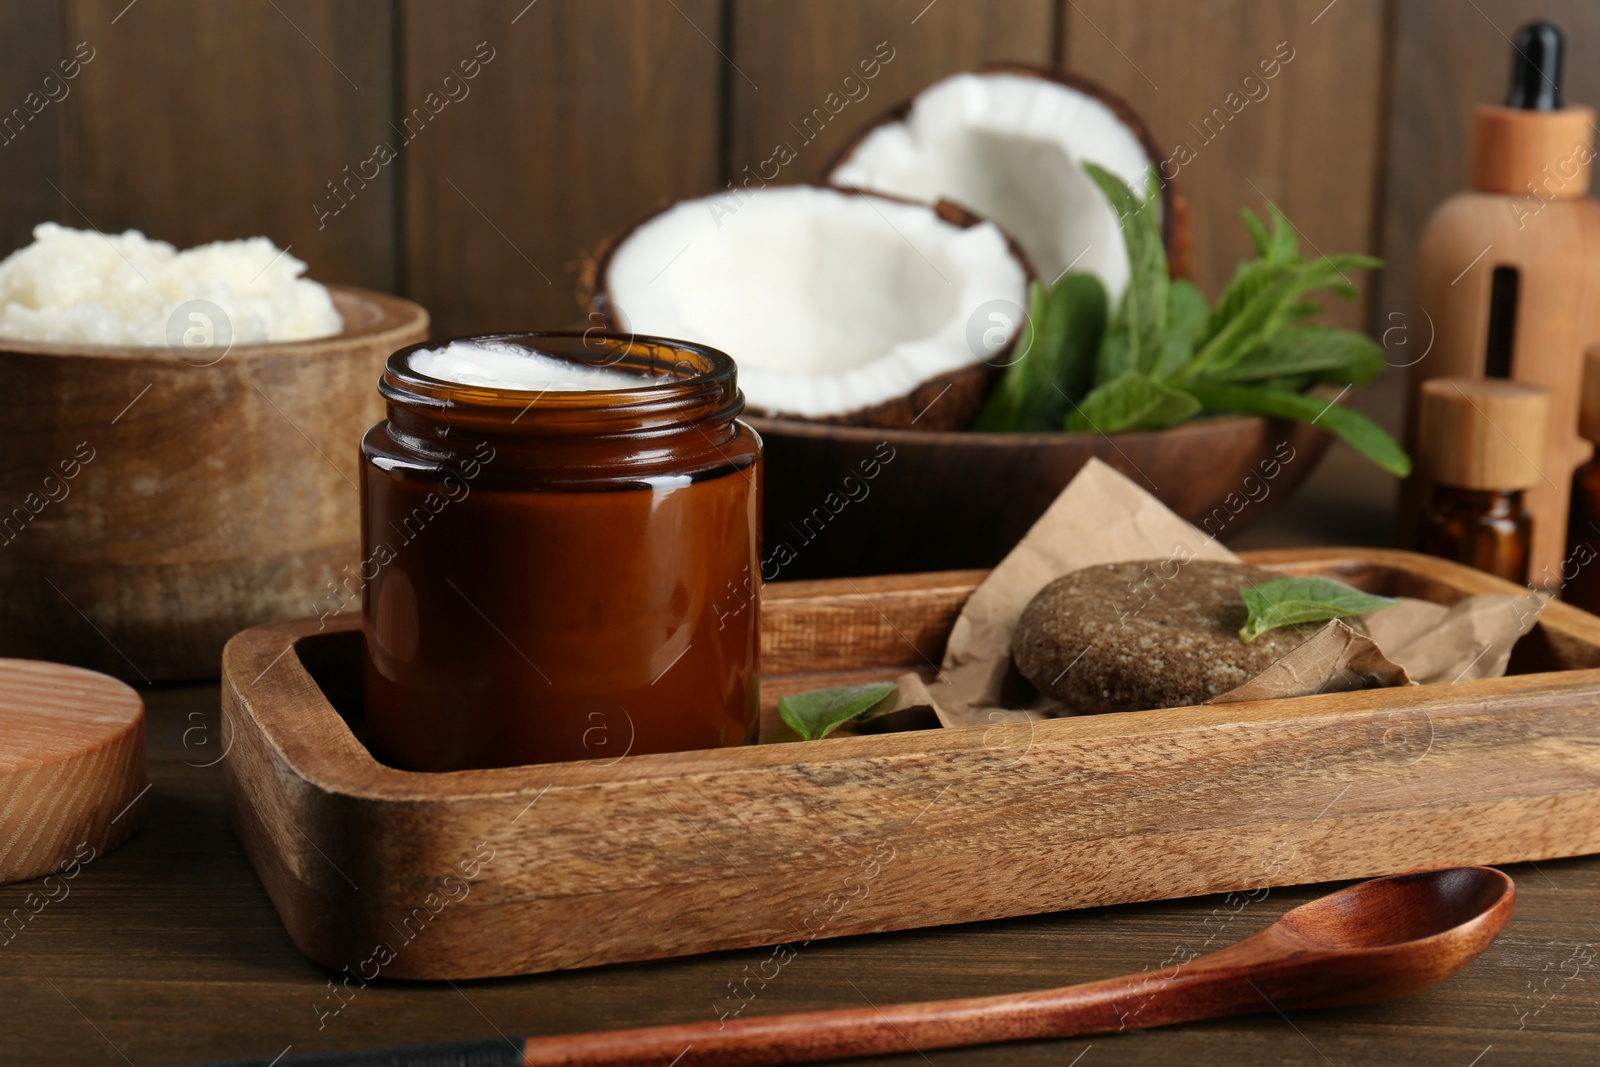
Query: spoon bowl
(1374, 941)
(1403, 909)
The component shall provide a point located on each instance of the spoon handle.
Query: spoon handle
(808, 1037)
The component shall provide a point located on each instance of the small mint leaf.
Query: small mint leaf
(817, 713)
(1291, 601)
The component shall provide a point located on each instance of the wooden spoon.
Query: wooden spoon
(1369, 942)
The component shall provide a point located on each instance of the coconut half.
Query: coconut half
(1009, 142)
(837, 306)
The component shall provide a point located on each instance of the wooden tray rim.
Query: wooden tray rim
(349, 769)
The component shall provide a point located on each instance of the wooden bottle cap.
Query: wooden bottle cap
(1543, 154)
(1482, 433)
(72, 781)
(1589, 398)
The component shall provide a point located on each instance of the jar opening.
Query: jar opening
(525, 368)
(558, 368)
(578, 383)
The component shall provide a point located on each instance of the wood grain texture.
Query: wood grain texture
(1557, 259)
(1375, 941)
(592, 866)
(1482, 433)
(200, 121)
(793, 56)
(1447, 59)
(154, 507)
(72, 776)
(1308, 139)
(161, 976)
(1516, 151)
(855, 501)
(905, 622)
(30, 117)
(591, 114)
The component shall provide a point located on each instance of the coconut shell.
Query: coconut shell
(1175, 234)
(950, 401)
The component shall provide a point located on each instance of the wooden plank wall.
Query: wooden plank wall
(1308, 138)
(471, 154)
(1445, 59)
(198, 120)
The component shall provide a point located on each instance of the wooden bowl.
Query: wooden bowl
(849, 501)
(152, 507)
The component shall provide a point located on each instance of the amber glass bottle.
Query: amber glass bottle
(1489, 529)
(1480, 444)
(561, 575)
(1580, 569)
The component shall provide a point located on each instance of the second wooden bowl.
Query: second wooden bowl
(844, 500)
(152, 506)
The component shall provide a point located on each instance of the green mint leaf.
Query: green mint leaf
(1143, 309)
(1116, 355)
(1251, 323)
(1003, 412)
(1352, 427)
(1055, 367)
(1292, 601)
(1284, 246)
(816, 714)
(1288, 383)
(1344, 356)
(1186, 317)
(1249, 278)
(1305, 309)
(1260, 240)
(1271, 305)
(1078, 313)
(1132, 401)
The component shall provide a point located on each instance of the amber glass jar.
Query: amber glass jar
(560, 575)
(1489, 529)
(1580, 570)
(1480, 442)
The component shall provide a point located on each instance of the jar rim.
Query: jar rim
(703, 383)
(694, 365)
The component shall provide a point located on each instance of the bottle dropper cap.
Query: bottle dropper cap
(1535, 145)
(1482, 433)
(1538, 59)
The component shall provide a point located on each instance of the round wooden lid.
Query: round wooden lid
(1482, 433)
(72, 778)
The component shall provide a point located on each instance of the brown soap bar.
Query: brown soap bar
(1145, 634)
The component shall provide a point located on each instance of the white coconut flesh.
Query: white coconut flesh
(1011, 148)
(829, 302)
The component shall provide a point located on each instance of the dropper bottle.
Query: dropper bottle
(1480, 441)
(1506, 273)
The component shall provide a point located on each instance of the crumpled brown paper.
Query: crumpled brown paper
(1335, 659)
(1103, 517)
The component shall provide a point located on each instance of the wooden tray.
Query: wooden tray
(478, 873)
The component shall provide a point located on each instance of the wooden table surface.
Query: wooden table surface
(168, 950)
